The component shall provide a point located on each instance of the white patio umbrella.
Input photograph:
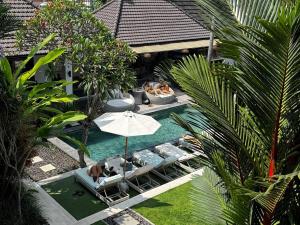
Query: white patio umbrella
(127, 124)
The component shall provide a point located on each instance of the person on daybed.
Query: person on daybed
(162, 88)
(96, 171)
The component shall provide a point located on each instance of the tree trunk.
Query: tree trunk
(85, 135)
(211, 43)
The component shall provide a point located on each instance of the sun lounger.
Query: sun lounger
(162, 166)
(168, 149)
(100, 189)
(140, 179)
(183, 157)
(137, 177)
(117, 163)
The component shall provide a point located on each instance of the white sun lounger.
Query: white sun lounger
(117, 164)
(183, 157)
(146, 157)
(99, 189)
(133, 177)
(168, 149)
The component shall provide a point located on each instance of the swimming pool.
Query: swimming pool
(102, 145)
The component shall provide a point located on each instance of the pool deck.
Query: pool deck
(182, 99)
(57, 215)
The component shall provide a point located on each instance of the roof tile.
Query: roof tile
(141, 22)
(23, 10)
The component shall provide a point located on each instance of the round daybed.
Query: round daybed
(121, 104)
(160, 99)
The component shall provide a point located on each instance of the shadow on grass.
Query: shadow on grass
(152, 203)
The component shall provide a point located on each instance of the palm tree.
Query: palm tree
(27, 116)
(249, 111)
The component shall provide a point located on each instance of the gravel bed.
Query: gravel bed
(142, 221)
(54, 156)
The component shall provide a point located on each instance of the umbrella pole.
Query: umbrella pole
(126, 149)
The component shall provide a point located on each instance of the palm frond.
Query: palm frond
(219, 114)
(230, 14)
(208, 198)
(210, 195)
(162, 70)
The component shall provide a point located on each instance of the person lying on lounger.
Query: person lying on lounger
(95, 172)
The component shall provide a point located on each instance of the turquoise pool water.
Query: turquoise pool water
(102, 145)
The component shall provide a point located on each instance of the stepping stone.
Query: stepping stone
(47, 168)
(36, 159)
(126, 219)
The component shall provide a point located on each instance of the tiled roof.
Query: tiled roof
(144, 22)
(23, 10)
(191, 7)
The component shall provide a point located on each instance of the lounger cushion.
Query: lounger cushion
(147, 157)
(112, 180)
(168, 149)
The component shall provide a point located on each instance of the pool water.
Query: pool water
(103, 145)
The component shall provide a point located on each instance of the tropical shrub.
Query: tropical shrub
(250, 112)
(27, 117)
(101, 60)
(8, 22)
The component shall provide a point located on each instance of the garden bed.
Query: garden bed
(50, 155)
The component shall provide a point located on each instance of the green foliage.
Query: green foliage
(102, 60)
(251, 109)
(27, 116)
(8, 22)
(32, 211)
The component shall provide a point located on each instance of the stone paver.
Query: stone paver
(126, 220)
(47, 167)
(36, 159)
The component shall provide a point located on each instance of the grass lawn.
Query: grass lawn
(74, 198)
(79, 206)
(172, 207)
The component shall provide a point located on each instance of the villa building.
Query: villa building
(155, 30)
